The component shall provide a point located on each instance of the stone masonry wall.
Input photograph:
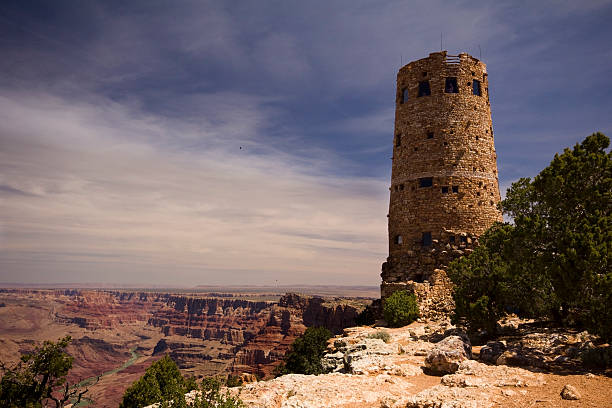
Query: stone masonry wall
(444, 182)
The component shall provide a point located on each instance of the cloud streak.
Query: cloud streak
(103, 187)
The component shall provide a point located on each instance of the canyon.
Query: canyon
(117, 334)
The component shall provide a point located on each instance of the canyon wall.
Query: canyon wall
(210, 335)
(205, 333)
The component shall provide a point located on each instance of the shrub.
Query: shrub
(162, 381)
(400, 309)
(233, 381)
(380, 334)
(306, 352)
(210, 396)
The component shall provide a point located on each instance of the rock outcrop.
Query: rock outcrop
(448, 354)
(570, 393)
(369, 372)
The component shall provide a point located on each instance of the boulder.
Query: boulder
(570, 393)
(491, 351)
(447, 354)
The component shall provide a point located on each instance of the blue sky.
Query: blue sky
(183, 143)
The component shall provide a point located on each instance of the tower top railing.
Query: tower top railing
(452, 60)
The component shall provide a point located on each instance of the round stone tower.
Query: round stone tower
(444, 183)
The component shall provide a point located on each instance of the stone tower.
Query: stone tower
(444, 183)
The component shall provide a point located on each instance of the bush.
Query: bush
(162, 381)
(233, 381)
(492, 281)
(210, 396)
(306, 353)
(380, 334)
(400, 309)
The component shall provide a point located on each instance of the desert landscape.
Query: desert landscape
(118, 334)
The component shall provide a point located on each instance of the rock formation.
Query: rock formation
(366, 371)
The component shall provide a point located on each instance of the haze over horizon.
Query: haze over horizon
(208, 143)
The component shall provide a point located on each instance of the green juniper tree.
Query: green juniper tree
(40, 378)
(555, 258)
(163, 383)
(306, 352)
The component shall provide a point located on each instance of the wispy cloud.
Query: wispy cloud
(115, 181)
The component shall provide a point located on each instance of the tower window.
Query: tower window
(404, 96)
(398, 140)
(424, 89)
(455, 189)
(426, 182)
(451, 85)
(444, 189)
(424, 73)
(476, 87)
(463, 239)
(401, 187)
(430, 135)
(451, 239)
(398, 240)
(426, 239)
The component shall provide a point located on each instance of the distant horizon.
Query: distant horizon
(343, 291)
(121, 285)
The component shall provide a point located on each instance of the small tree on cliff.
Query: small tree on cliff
(39, 378)
(162, 381)
(306, 352)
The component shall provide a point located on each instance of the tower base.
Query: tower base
(435, 297)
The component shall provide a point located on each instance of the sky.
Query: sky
(248, 143)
